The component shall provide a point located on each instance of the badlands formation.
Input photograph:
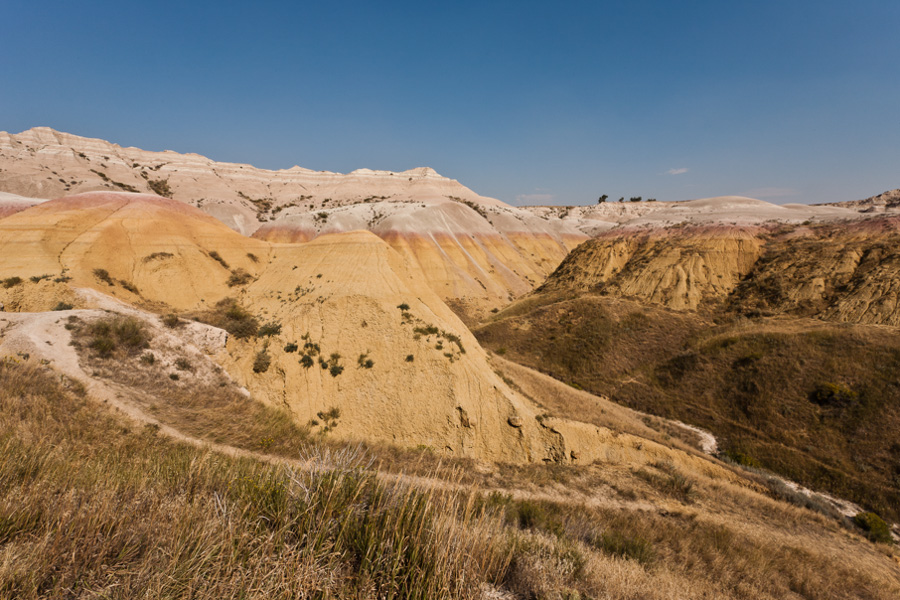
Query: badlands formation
(340, 293)
(291, 322)
(475, 251)
(355, 274)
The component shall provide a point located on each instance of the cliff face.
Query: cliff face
(843, 272)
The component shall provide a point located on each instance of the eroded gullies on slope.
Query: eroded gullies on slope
(343, 290)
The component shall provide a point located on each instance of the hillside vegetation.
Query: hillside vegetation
(91, 505)
(780, 363)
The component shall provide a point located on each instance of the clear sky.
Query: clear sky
(529, 102)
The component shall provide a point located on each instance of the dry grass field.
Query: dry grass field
(93, 504)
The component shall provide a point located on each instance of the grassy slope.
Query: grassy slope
(92, 506)
(751, 382)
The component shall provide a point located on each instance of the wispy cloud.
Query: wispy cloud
(773, 192)
(680, 171)
(529, 199)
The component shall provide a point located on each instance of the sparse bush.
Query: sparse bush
(292, 347)
(183, 364)
(11, 282)
(174, 376)
(427, 330)
(148, 358)
(333, 414)
(410, 358)
(172, 321)
(107, 335)
(332, 364)
(218, 258)
(103, 275)
(63, 306)
(253, 257)
(38, 278)
(364, 361)
(129, 286)
(404, 307)
(103, 346)
(261, 362)
(239, 277)
(306, 361)
(232, 317)
(158, 256)
(160, 187)
(269, 329)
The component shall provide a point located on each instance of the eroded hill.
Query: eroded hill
(342, 326)
(475, 251)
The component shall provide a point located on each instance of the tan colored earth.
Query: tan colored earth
(429, 382)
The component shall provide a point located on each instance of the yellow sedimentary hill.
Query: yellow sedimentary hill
(474, 251)
(378, 355)
(135, 247)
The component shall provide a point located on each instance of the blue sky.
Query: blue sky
(529, 102)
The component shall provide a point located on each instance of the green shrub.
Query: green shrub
(232, 317)
(103, 275)
(364, 361)
(239, 277)
(172, 321)
(109, 334)
(292, 347)
(333, 414)
(218, 258)
(404, 307)
(332, 364)
(833, 394)
(103, 346)
(11, 282)
(874, 526)
(269, 329)
(410, 358)
(306, 361)
(129, 286)
(742, 458)
(261, 362)
(427, 330)
(160, 187)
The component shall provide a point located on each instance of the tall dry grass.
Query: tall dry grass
(90, 507)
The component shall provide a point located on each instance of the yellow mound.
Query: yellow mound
(386, 359)
(152, 248)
